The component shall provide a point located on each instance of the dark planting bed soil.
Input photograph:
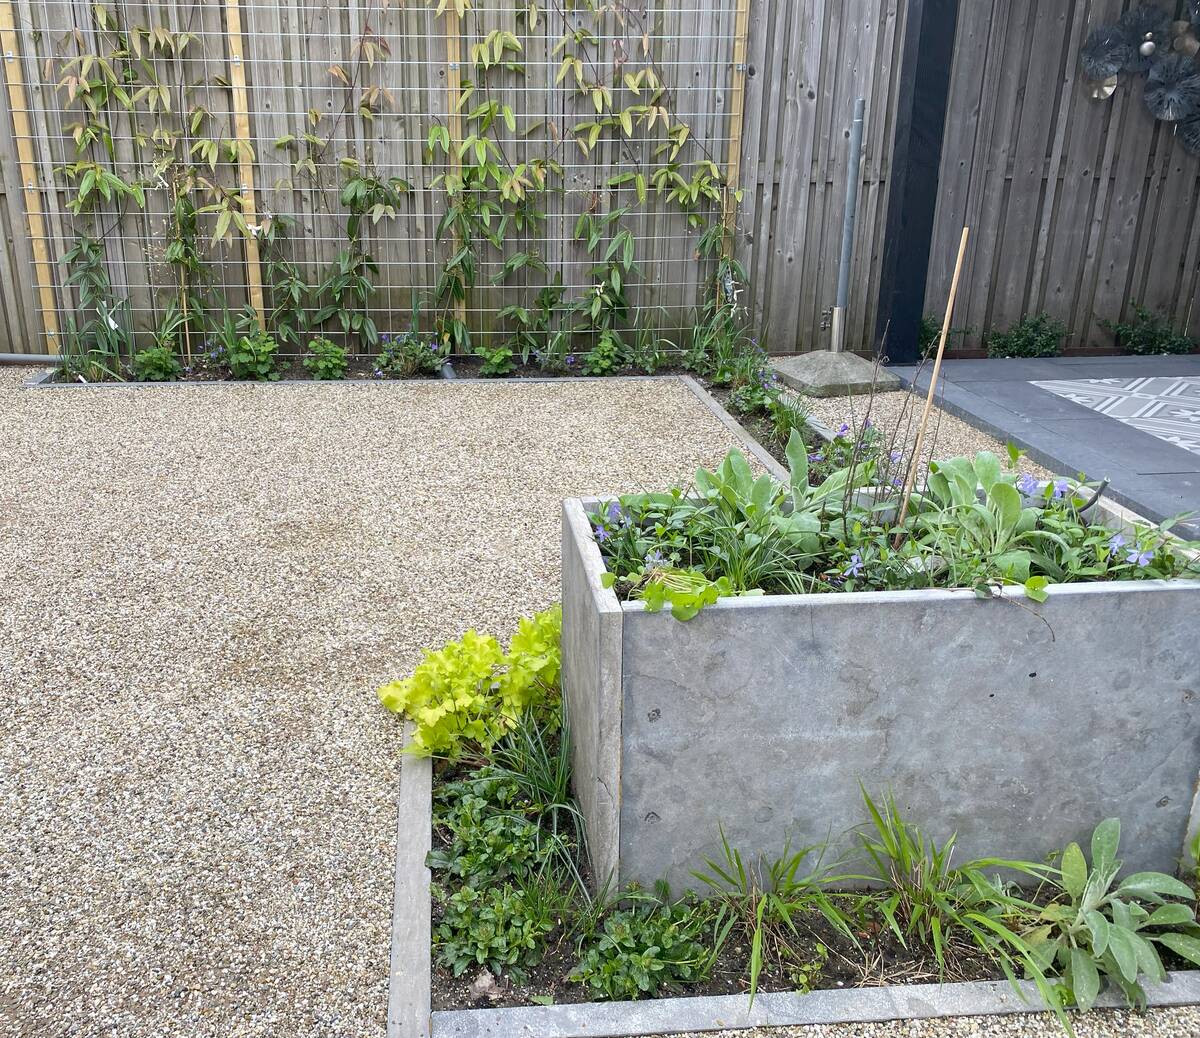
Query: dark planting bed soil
(359, 369)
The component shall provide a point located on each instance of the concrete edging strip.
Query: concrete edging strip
(410, 974)
(760, 453)
(733, 1012)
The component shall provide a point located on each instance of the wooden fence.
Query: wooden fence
(1077, 206)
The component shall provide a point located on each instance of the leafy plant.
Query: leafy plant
(95, 348)
(789, 413)
(926, 899)
(651, 945)
(346, 292)
(498, 360)
(156, 364)
(1037, 336)
(1149, 333)
(253, 358)
(468, 694)
(503, 928)
(1101, 929)
(409, 355)
(605, 358)
(770, 909)
(326, 361)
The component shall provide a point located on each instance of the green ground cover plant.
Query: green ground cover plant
(975, 525)
(1148, 333)
(514, 894)
(1037, 336)
(326, 360)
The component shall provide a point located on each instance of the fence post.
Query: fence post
(737, 110)
(27, 163)
(241, 127)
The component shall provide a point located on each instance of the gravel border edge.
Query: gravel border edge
(411, 964)
(734, 1012)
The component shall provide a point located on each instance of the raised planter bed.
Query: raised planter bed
(1018, 725)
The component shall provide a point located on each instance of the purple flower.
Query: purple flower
(1115, 543)
(1141, 559)
(614, 511)
(855, 567)
(655, 558)
(866, 424)
(843, 429)
(1061, 488)
(570, 359)
(814, 458)
(896, 455)
(602, 534)
(1027, 485)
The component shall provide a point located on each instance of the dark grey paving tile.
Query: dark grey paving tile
(1025, 399)
(1130, 366)
(1122, 445)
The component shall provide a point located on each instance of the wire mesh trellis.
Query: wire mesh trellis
(329, 83)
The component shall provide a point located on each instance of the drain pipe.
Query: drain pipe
(29, 358)
(853, 179)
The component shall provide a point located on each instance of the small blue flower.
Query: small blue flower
(896, 455)
(602, 534)
(655, 558)
(843, 429)
(1115, 543)
(1141, 559)
(855, 567)
(814, 458)
(570, 359)
(1027, 485)
(614, 511)
(1061, 488)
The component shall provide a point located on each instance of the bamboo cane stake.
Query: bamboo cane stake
(28, 166)
(245, 163)
(737, 105)
(915, 463)
(454, 107)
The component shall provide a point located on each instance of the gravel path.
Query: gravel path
(202, 587)
(1157, 1023)
(899, 414)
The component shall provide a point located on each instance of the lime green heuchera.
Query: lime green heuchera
(467, 694)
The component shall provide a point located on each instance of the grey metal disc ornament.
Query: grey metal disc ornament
(1107, 50)
(1173, 88)
(1189, 135)
(1149, 28)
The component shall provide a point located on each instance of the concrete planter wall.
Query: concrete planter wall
(1017, 725)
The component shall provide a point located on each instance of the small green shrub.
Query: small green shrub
(409, 355)
(606, 357)
(1149, 333)
(470, 693)
(253, 358)
(487, 843)
(156, 364)
(326, 360)
(1037, 336)
(650, 946)
(1099, 929)
(498, 361)
(503, 928)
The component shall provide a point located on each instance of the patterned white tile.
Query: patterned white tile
(1168, 408)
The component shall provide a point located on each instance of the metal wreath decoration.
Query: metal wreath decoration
(1145, 40)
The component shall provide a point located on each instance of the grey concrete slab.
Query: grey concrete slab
(824, 373)
(409, 978)
(730, 1012)
(1147, 474)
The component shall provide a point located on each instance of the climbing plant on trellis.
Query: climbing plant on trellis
(537, 181)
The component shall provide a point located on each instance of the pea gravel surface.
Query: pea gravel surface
(1156, 1023)
(203, 585)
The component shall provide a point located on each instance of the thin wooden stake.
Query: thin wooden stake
(915, 464)
(453, 107)
(27, 163)
(241, 126)
(737, 109)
